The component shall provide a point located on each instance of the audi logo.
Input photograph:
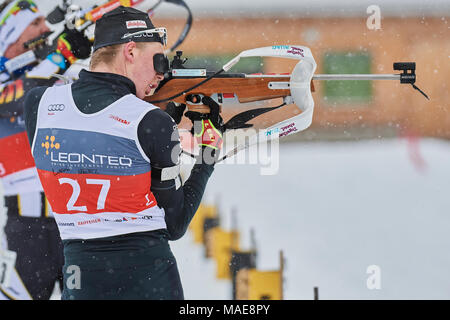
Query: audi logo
(56, 107)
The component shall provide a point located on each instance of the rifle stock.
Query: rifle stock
(245, 89)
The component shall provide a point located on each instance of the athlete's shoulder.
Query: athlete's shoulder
(157, 123)
(31, 105)
(157, 132)
(158, 118)
(142, 104)
(151, 113)
(34, 96)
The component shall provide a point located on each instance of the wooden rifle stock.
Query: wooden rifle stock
(245, 89)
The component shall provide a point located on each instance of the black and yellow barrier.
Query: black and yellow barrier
(209, 224)
(253, 284)
(241, 260)
(232, 263)
(219, 245)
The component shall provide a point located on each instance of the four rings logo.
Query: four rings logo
(56, 107)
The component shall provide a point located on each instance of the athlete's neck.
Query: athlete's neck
(109, 69)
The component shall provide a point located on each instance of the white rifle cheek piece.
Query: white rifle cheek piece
(300, 86)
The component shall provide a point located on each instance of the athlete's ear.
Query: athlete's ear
(129, 51)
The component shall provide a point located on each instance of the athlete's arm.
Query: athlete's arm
(158, 136)
(71, 46)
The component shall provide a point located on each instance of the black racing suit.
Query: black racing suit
(138, 265)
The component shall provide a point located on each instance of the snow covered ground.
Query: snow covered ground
(336, 208)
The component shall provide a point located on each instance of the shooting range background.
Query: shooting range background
(336, 208)
(367, 184)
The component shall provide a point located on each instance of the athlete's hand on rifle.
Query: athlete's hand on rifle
(73, 45)
(208, 128)
(176, 111)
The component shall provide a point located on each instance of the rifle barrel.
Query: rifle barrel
(333, 76)
(356, 77)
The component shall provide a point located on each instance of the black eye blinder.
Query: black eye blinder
(161, 63)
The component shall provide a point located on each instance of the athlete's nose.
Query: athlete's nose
(45, 29)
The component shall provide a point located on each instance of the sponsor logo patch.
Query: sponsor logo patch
(119, 119)
(296, 51)
(133, 24)
(272, 131)
(288, 129)
(82, 223)
(56, 107)
(50, 144)
(280, 47)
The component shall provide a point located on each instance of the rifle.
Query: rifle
(188, 86)
(74, 17)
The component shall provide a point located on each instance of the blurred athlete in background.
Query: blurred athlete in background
(31, 231)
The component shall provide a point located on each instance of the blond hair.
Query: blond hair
(105, 55)
(108, 54)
